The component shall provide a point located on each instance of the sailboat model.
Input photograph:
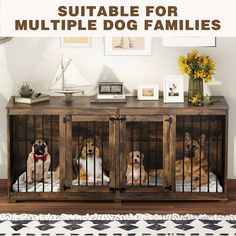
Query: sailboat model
(68, 80)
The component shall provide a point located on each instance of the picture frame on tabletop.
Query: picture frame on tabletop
(148, 92)
(76, 42)
(128, 46)
(173, 91)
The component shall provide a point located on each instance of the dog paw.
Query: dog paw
(90, 179)
(106, 178)
(99, 180)
(195, 186)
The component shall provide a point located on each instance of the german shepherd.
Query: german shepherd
(194, 162)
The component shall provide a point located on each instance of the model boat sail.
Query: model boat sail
(68, 79)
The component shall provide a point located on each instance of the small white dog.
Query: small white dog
(135, 169)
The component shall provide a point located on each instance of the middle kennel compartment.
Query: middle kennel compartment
(145, 171)
(89, 157)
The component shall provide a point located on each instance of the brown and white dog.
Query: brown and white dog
(195, 164)
(135, 172)
(38, 162)
(88, 162)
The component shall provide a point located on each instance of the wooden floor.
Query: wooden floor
(228, 207)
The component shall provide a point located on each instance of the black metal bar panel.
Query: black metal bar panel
(43, 141)
(77, 165)
(191, 157)
(86, 136)
(26, 153)
(200, 162)
(156, 149)
(140, 141)
(94, 151)
(51, 144)
(217, 150)
(223, 128)
(183, 152)
(17, 151)
(102, 151)
(132, 150)
(208, 152)
(34, 158)
(148, 137)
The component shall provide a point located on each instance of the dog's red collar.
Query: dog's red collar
(43, 158)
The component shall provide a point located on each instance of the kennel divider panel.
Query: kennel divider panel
(149, 135)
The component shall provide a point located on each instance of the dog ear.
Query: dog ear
(202, 140)
(32, 142)
(81, 139)
(142, 156)
(77, 152)
(97, 142)
(97, 139)
(129, 156)
(187, 136)
(46, 142)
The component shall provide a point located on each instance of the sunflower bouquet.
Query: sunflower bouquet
(197, 67)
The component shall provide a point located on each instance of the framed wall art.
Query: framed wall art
(125, 46)
(75, 42)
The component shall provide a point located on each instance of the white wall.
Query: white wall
(36, 59)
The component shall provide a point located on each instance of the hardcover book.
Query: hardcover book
(33, 99)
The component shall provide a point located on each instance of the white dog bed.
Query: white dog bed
(54, 186)
(20, 185)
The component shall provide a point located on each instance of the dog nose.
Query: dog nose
(90, 150)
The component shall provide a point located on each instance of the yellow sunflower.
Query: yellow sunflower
(185, 69)
(208, 78)
(200, 74)
(182, 61)
(203, 60)
(211, 64)
(196, 100)
(192, 55)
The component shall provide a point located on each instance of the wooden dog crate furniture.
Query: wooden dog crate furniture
(156, 129)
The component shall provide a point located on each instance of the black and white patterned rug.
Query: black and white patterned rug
(117, 225)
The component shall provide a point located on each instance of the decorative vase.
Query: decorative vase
(195, 91)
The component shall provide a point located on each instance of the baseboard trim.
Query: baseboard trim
(3, 185)
(231, 185)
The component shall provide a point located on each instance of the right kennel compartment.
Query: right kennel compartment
(200, 146)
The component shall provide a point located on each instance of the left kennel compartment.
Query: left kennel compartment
(33, 158)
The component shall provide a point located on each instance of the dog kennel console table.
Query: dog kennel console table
(169, 136)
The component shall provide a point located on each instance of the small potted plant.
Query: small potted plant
(26, 89)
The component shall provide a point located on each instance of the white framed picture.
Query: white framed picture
(148, 92)
(173, 88)
(75, 42)
(128, 46)
(189, 42)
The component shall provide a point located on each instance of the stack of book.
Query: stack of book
(36, 98)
